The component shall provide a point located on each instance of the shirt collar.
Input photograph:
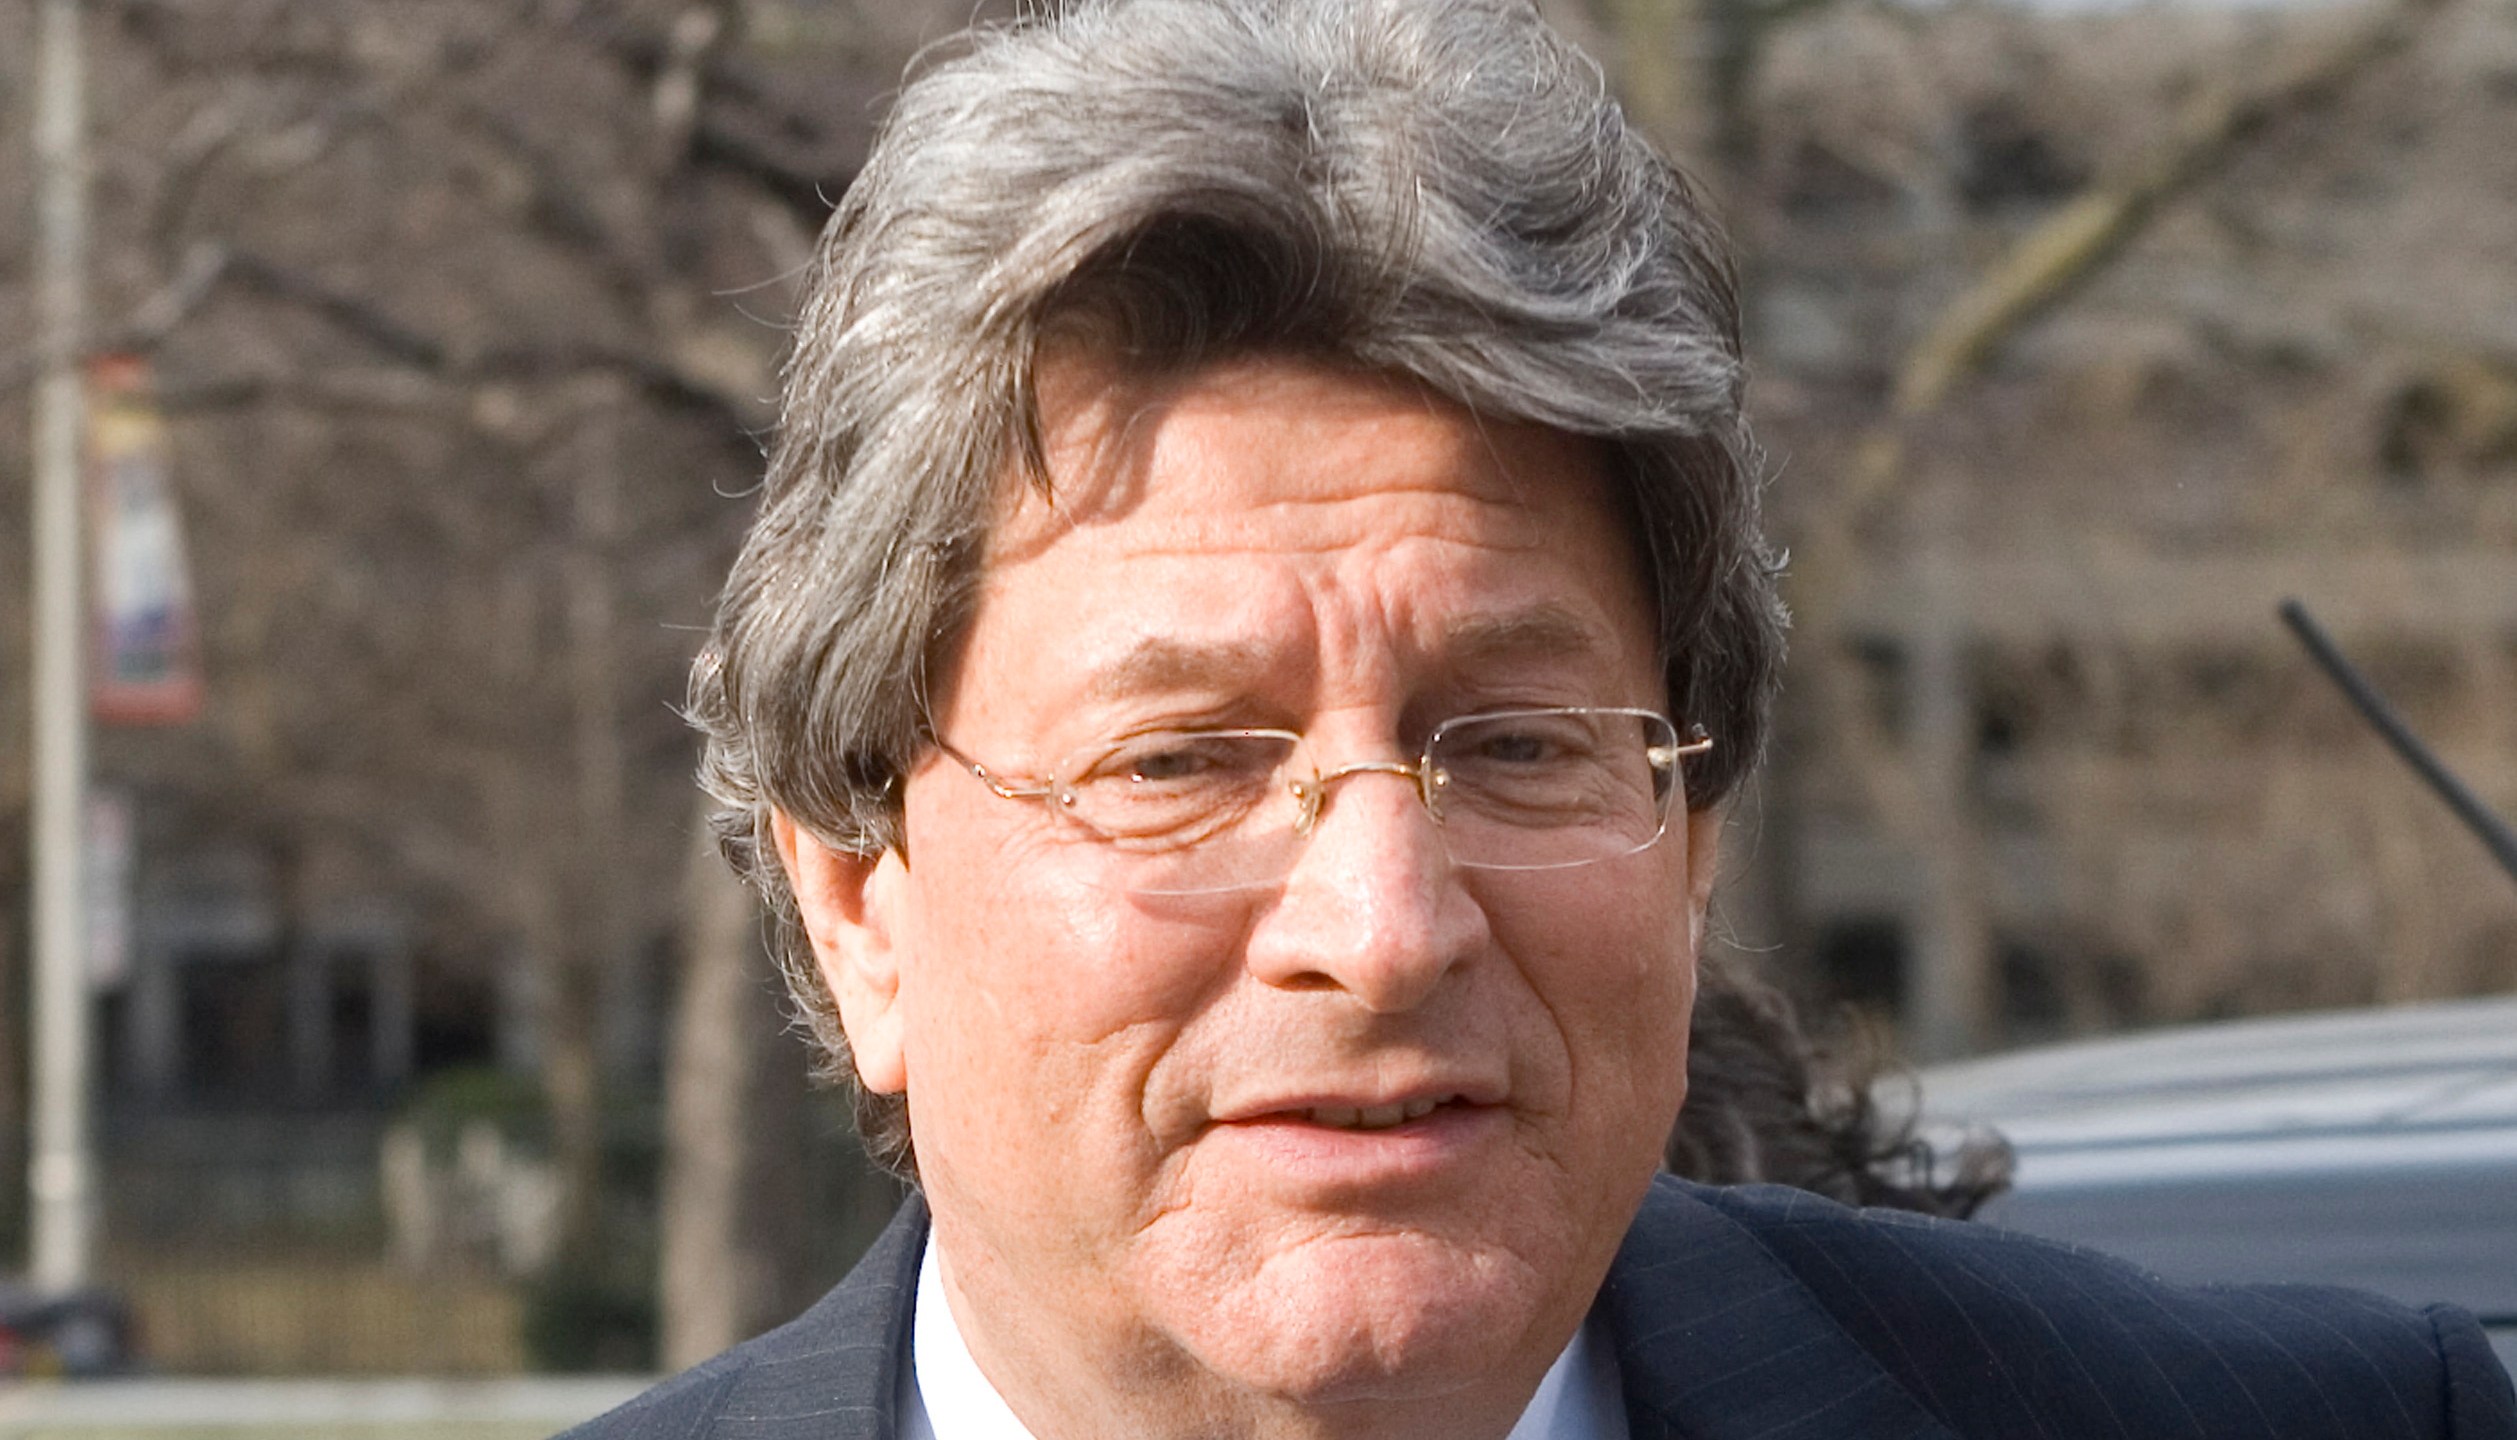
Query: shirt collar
(944, 1397)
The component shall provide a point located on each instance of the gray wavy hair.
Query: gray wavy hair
(1438, 189)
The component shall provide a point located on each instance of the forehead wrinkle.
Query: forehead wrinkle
(1385, 519)
(1111, 435)
(1155, 662)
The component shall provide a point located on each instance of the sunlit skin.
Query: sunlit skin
(1143, 1228)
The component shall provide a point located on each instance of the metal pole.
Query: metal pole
(2494, 832)
(61, 1175)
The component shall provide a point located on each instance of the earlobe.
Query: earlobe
(846, 902)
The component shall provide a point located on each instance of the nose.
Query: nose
(1373, 906)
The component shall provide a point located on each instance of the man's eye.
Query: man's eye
(1522, 743)
(1179, 760)
(1520, 748)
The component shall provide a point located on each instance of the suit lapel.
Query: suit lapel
(833, 1372)
(1717, 1341)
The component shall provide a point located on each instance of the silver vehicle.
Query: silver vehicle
(2375, 1149)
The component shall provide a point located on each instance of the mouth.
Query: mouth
(1332, 1146)
(1370, 1117)
(1361, 1110)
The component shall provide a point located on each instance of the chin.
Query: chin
(1377, 1316)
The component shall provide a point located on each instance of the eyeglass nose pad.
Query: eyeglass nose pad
(1310, 785)
(1307, 795)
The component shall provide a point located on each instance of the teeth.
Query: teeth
(1373, 1117)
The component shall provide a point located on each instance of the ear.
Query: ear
(1704, 861)
(847, 903)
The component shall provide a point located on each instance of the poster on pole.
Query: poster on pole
(147, 655)
(110, 853)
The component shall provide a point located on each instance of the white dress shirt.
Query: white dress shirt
(944, 1397)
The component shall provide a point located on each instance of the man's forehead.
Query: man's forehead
(1151, 659)
(1120, 442)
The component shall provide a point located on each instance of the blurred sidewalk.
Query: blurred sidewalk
(304, 1409)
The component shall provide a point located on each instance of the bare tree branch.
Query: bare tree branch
(351, 313)
(666, 377)
(740, 126)
(2039, 272)
(2061, 254)
(167, 307)
(204, 265)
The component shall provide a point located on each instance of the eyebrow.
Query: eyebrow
(1157, 663)
(1540, 630)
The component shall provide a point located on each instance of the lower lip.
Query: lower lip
(1289, 1149)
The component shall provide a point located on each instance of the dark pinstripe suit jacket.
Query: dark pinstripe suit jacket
(1766, 1314)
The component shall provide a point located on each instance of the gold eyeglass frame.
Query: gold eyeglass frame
(1312, 794)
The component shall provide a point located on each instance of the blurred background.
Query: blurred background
(431, 1038)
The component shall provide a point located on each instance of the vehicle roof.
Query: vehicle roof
(2375, 1149)
(2409, 1085)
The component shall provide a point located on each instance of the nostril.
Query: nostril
(1305, 981)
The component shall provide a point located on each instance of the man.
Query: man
(1256, 613)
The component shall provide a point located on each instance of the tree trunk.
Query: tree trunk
(733, 1239)
(587, 953)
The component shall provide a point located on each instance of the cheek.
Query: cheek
(1611, 964)
(1629, 1025)
(1043, 952)
(1037, 997)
